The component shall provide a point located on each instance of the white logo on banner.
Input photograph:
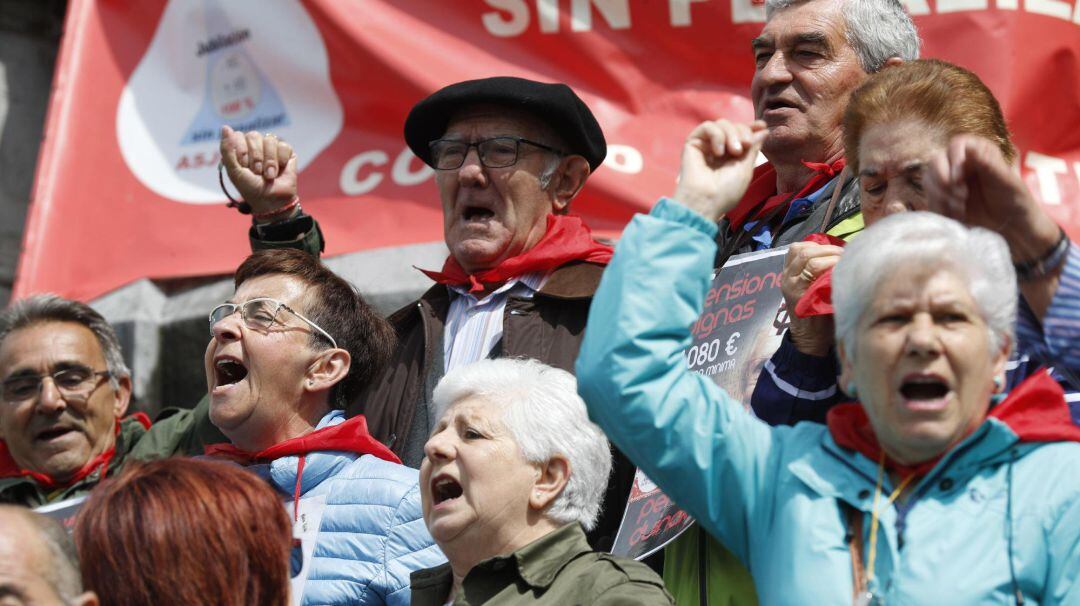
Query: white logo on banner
(215, 62)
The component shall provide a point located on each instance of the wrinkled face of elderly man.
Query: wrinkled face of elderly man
(804, 72)
(493, 212)
(58, 407)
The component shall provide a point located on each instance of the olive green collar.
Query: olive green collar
(539, 562)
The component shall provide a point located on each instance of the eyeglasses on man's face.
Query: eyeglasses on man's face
(75, 384)
(261, 313)
(497, 152)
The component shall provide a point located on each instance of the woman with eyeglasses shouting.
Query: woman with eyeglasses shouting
(287, 351)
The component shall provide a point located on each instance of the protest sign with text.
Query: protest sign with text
(740, 327)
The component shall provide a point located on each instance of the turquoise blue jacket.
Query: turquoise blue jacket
(995, 514)
(372, 533)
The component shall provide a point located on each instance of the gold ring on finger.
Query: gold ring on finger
(807, 274)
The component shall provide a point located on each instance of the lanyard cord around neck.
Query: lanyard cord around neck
(874, 514)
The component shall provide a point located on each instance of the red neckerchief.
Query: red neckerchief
(1035, 411)
(817, 300)
(567, 239)
(763, 188)
(349, 436)
(10, 469)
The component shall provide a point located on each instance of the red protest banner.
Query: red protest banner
(127, 185)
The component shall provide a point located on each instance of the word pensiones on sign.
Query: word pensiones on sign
(731, 301)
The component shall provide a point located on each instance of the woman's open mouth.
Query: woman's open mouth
(925, 392)
(228, 371)
(444, 489)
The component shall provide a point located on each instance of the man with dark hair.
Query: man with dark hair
(281, 354)
(38, 562)
(509, 156)
(65, 389)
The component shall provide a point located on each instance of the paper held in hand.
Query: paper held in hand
(739, 329)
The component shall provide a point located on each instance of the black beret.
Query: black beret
(556, 105)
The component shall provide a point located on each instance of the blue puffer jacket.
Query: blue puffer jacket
(999, 513)
(372, 533)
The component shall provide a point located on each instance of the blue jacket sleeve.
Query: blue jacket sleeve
(1055, 342)
(701, 447)
(794, 386)
(1061, 325)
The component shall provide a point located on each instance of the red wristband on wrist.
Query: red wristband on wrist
(278, 211)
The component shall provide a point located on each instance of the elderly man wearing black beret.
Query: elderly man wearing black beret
(509, 156)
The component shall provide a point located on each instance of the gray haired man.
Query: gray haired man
(38, 562)
(810, 56)
(64, 391)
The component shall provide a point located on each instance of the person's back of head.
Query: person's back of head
(185, 532)
(38, 562)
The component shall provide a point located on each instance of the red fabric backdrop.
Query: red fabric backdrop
(127, 188)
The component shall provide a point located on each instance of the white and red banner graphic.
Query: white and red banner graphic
(127, 182)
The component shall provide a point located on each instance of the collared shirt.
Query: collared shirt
(474, 326)
(557, 569)
(763, 238)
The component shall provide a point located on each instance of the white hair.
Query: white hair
(877, 30)
(546, 417)
(977, 256)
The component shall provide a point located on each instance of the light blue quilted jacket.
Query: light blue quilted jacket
(372, 533)
(998, 514)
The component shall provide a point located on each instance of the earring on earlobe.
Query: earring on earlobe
(851, 390)
(999, 384)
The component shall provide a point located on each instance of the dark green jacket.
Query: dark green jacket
(558, 569)
(176, 432)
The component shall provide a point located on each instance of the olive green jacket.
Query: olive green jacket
(558, 569)
(176, 432)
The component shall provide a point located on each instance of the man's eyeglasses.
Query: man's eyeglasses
(74, 383)
(497, 152)
(260, 314)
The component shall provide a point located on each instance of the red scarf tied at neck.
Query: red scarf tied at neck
(761, 197)
(10, 469)
(1035, 411)
(567, 239)
(349, 436)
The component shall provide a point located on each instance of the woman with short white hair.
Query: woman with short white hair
(929, 488)
(513, 474)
